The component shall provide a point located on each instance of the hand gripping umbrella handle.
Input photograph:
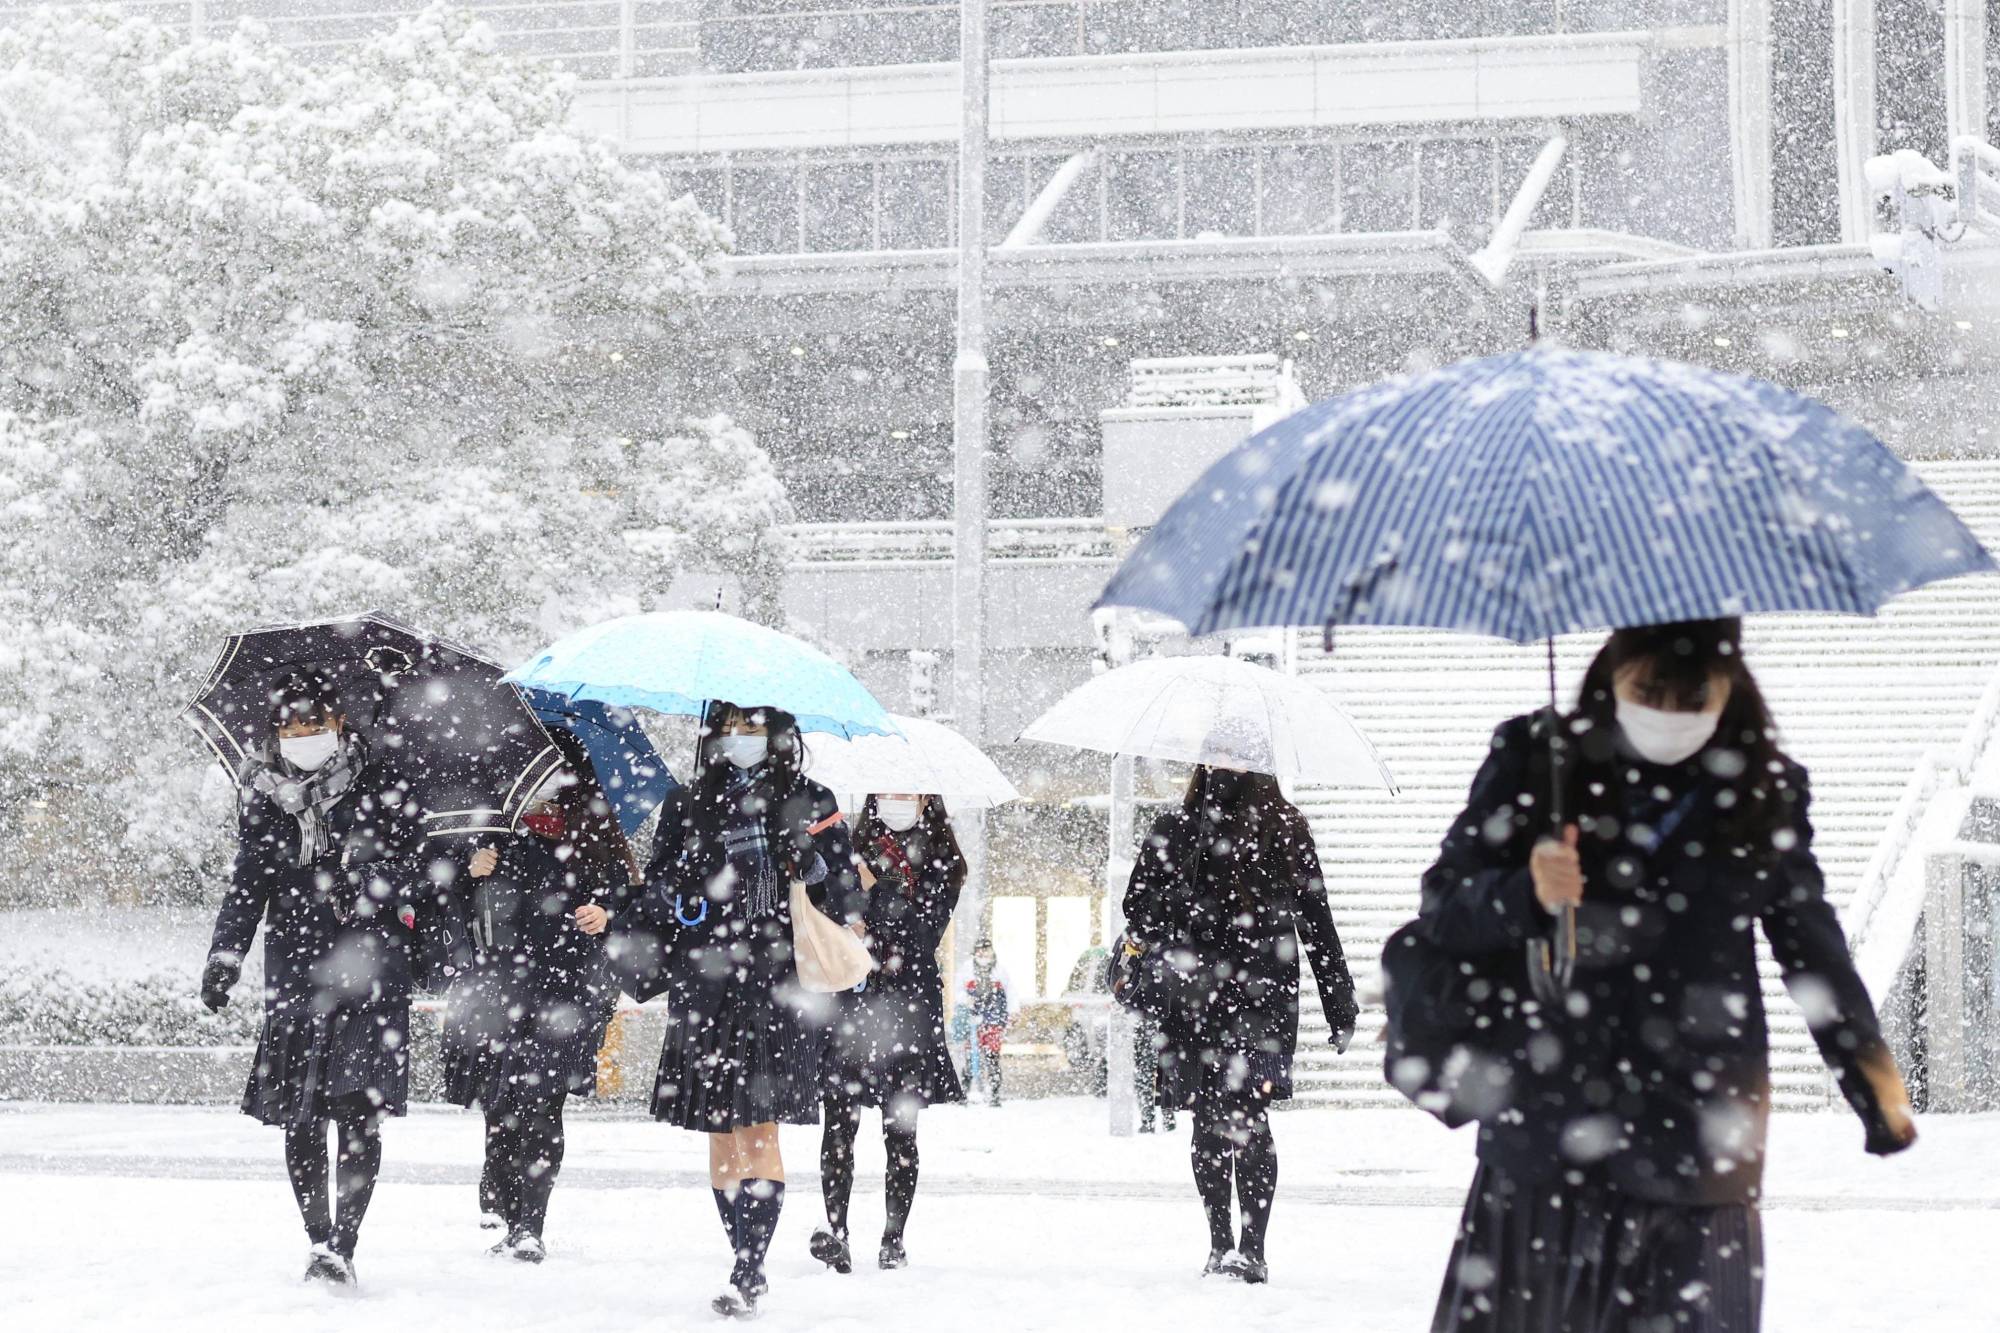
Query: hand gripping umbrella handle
(1552, 962)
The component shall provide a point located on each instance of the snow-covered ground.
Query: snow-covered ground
(1029, 1217)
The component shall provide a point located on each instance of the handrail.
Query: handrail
(927, 540)
(1955, 764)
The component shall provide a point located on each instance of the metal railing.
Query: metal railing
(1885, 880)
(624, 39)
(930, 541)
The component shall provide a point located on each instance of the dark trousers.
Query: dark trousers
(836, 1160)
(524, 1153)
(1564, 1258)
(357, 1161)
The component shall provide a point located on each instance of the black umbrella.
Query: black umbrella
(467, 743)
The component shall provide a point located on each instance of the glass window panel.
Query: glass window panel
(1378, 181)
(916, 205)
(840, 207)
(1006, 196)
(1143, 197)
(1221, 191)
(1300, 189)
(704, 184)
(764, 209)
(1457, 181)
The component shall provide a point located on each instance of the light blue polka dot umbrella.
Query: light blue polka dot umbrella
(680, 661)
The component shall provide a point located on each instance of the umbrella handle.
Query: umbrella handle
(1552, 962)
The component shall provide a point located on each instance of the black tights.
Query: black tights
(836, 1160)
(524, 1151)
(357, 1161)
(1236, 1142)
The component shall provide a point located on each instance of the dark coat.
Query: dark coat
(337, 960)
(888, 1038)
(525, 1017)
(1660, 1082)
(1241, 911)
(743, 1037)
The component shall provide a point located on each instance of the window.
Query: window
(916, 205)
(1221, 188)
(1301, 189)
(764, 209)
(1143, 196)
(1378, 187)
(1456, 178)
(840, 206)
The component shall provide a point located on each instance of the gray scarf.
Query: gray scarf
(746, 842)
(307, 797)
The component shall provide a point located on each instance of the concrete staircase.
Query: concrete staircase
(1858, 702)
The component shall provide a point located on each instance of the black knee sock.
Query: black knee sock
(540, 1160)
(836, 1160)
(1256, 1183)
(357, 1163)
(899, 1139)
(758, 1203)
(305, 1163)
(725, 1204)
(497, 1193)
(1212, 1154)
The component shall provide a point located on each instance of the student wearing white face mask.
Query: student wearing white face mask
(743, 1038)
(328, 857)
(887, 1050)
(1617, 1185)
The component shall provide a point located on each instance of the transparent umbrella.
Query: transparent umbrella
(929, 758)
(1220, 711)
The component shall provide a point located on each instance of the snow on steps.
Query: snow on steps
(1858, 702)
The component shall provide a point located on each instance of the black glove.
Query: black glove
(216, 979)
(1341, 1037)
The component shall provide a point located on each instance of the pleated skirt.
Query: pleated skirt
(746, 1053)
(510, 1044)
(307, 1061)
(1587, 1259)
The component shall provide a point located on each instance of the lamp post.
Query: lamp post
(968, 446)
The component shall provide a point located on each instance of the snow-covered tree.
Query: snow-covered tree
(281, 339)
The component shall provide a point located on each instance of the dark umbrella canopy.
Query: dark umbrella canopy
(471, 748)
(629, 770)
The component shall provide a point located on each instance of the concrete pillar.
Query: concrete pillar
(1965, 68)
(1749, 47)
(1854, 113)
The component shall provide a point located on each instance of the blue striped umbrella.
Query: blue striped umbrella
(1544, 492)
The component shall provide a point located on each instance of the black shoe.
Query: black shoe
(1145, 1126)
(521, 1244)
(830, 1248)
(892, 1255)
(1245, 1269)
(489, 1221)
(735, 1303)
(326, 1266)
(1218, 1263)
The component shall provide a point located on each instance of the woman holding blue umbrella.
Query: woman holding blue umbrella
(1582, 980)
(1622, 1192)
(743, 1039)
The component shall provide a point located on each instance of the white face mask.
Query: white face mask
(899, 816)
(1664, 737)
(744, 751)
(307, 753)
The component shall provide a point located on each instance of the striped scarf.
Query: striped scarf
(746, 843)
(308, 797)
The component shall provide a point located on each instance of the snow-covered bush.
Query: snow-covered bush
(282, 339)
(53, 1008)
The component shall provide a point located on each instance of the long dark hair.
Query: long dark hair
(1683, 660)
(1256, 813)
(936, 839)
(590, 825)
(788, 747)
